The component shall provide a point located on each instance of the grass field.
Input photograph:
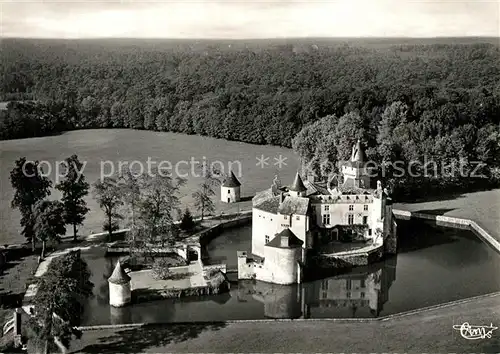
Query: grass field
(94, 146)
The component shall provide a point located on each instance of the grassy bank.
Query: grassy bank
(430, 331)
(18, 273)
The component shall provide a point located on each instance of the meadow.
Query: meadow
(125, 145)
(94, 146)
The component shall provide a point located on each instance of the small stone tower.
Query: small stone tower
(230, 189)
(297, 189)
(119, 287)
(356, 172)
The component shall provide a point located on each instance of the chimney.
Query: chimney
(284, 241)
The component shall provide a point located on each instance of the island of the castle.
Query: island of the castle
(309, 224)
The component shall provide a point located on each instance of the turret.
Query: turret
(297, 188)
(355, 172)
(119, 287)
(230, 189)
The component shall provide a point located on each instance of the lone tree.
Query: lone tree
(156, 207)
(187, 222)
(130, 184)
(203, 196)
(48, 224)
(58, 303)
(30, 187)
(74, 188)
(108, 195)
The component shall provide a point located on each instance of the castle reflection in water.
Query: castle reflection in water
(361, 293)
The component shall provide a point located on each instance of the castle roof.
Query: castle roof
(231, 181)
(119, 276)
(294, 205)
(269, 205)
(358, 153)
(292, 241)
(297, 185)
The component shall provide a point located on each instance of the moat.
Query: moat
(434, 265)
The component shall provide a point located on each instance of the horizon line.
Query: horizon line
(253, 38)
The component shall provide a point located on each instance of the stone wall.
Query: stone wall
(158, 294)
(349, 260)
(207, 269)
(449, 221)
(391, 241)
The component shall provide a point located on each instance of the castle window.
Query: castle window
(365, 219)
(348, 284)
(326, 219)
(267, 239)
(228, 191)
(348, 295)
(369, 232)
(350, 219)
(324, 284)
(351, 207)
(324, 295)
(285, 217)
(327, 208)
(365, 207)
(366, 197)
(362, 295)
(297, 217)
(363, 283)
(313, 208)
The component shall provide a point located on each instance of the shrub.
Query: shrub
(161, 269)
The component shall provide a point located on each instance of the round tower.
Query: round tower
(297, 189)
(120, 293)
(230, 189)
(282, 255)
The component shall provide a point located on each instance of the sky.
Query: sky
(238, 19)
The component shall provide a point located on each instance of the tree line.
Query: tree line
(258, 96)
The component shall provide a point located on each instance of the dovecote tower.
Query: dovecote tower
(230, 189)
(119, 287)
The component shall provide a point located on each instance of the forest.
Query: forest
(440, 99)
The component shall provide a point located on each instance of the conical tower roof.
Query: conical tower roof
(297, 185)
(231, 181)
(119, 276)
(285, 239)
(358, 153)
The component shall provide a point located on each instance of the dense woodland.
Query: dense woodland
(444, 98)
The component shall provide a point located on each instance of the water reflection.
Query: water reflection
(120, 315)
(362, 293)
(442, 259)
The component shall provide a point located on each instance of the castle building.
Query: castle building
(230, 189)
(120, 293)
(290, 221)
